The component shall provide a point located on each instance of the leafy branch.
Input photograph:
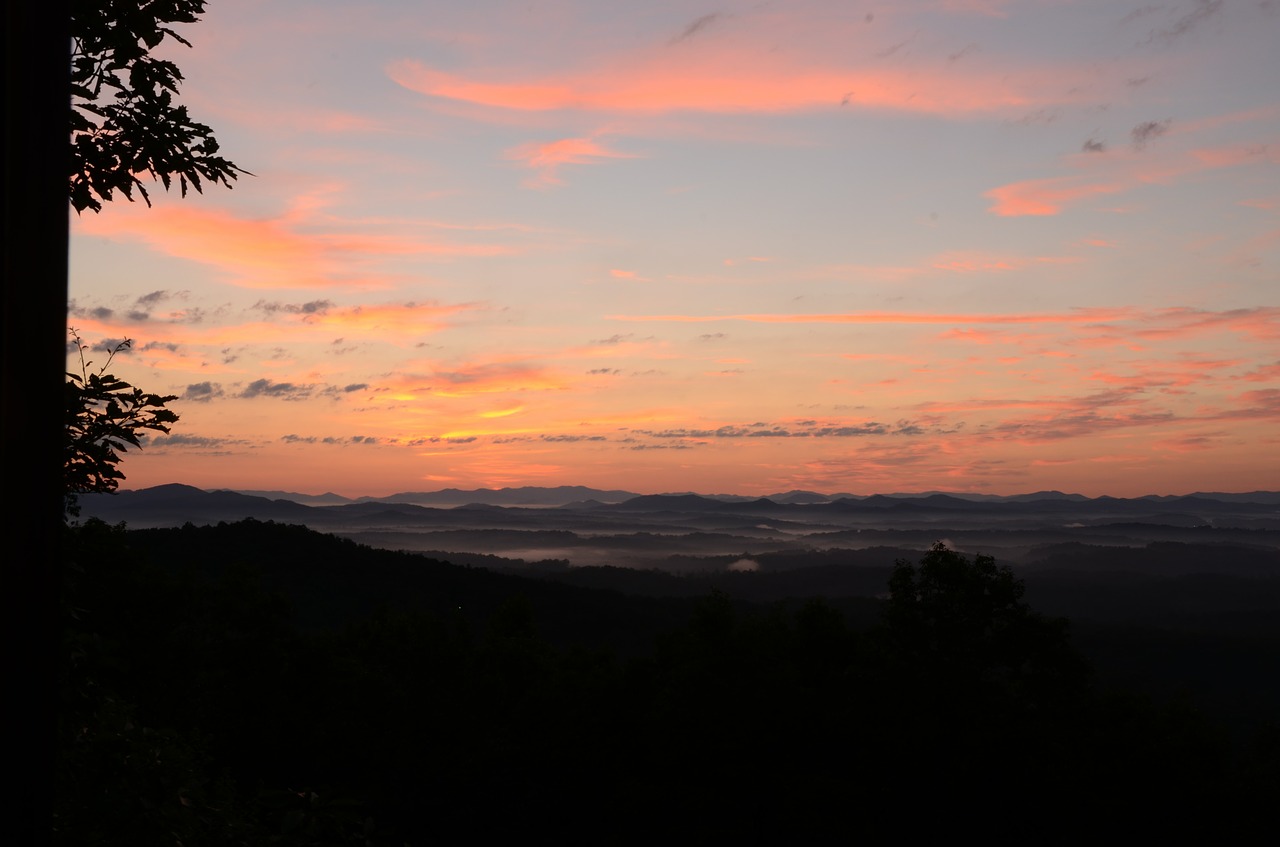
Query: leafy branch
(105, 416)
(124, 118)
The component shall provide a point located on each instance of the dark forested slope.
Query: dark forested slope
(260, 683)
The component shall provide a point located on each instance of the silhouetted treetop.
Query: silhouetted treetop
(951, 616)
(125, 120)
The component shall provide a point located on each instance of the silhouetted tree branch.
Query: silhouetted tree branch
(124, 117)
(104, 414)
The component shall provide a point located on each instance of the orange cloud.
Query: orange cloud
(473, 378)
(1189, 443)
(1090, 327)
(147, 352)
(1120, 172)
(255, 332)
(1072, 317)
(1265, 373)
(394, 323)
(196, 347)
(300, 121)
(978, 336)
(501, 413)
(547, 158)
(1262, 323)
(1225, 157)
(729, 79)
(972, 261)
(266, 253)
(1177, 374)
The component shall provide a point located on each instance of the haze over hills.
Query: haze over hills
(580, 526)
(1166, 592)
(567, 494)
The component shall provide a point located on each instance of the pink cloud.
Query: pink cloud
(979, 336)
(268, 252)
(974, 261)
(1265, 373)
(1044, 196)
(730, 79)
(1113, 173)
(298, 121)
(1191, 443)
(394, 323)
(548, 157)
(1164, 375)
(1225, 157)
(1073, 317)
(1082, 329)
(198, 345)
(1261, 323)
(476, 378)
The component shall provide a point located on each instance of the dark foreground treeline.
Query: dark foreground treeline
(256, 683)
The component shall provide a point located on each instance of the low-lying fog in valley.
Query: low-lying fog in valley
(556, 528)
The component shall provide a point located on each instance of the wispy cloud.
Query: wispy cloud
(547, 158)
(468, 379)
(1098, 171)
(972, 261)
(733, 80)
(1201, 11)
(696, 26)
(1261, 323)
(288, 251)
(1046, 196)
(397, 323)
(792, 429)
(1074, 316)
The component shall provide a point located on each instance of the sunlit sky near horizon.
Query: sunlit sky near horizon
(968, 245)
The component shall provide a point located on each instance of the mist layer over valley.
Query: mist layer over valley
(583, 641)
(559, 528)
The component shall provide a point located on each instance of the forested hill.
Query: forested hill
(263, 683)
(330, 582)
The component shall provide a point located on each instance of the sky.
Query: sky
(993, 246)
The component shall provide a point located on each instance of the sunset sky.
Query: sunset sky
(743, 247)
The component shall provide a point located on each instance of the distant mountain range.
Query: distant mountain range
(558, 530)
(587, 526)
(564, 495)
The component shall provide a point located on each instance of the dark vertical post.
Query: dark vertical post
(36, 58)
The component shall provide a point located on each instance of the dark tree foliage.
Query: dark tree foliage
(961, 621)
(286, 687)
(125, 120)
(105, 415)
(951, 608)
